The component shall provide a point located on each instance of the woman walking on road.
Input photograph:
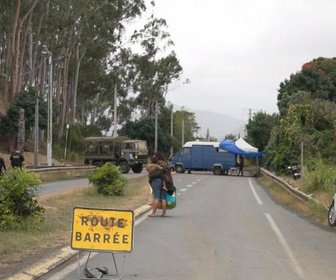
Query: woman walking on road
(155, 173)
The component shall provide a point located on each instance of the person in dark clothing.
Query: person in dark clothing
(241, 165)
(17, 159)
(2, 166)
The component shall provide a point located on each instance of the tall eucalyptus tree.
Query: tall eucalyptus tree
(154, 70)
(85, 43)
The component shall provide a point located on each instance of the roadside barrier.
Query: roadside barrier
(62, 172)
(294, 191)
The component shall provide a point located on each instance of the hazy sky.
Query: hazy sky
(236, 53)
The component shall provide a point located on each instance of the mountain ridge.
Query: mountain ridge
(219, 125)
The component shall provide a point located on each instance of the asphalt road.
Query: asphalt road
(224, 227)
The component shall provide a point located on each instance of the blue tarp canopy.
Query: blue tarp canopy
(230, 146)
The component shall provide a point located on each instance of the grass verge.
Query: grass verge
(312, 210)
(19, 249)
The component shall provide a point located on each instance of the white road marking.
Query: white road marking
(183, 190)
(284, 244)
(254, 192)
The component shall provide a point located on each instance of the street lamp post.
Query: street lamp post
(115, 117)
(49, 99)
(66, 142)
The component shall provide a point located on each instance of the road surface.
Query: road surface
(224, 227)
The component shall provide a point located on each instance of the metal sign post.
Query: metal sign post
(102, 230)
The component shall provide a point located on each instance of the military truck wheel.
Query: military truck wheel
(124, 167)
(218, 170)
(137, 168)
(179, 169)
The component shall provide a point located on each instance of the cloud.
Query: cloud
(236, 53)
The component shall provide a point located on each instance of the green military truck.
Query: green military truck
(120, 150)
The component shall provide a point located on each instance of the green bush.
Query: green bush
(108, 180)
(319, 176)
(18, 205)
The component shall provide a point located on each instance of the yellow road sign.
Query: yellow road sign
(102, 229)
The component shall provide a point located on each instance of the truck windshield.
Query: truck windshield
(140, 145)
(128, 145)
(185, 151)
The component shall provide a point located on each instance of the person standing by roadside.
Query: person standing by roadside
(17, 159)
(155, 171)
(2, 166)
(241, 165)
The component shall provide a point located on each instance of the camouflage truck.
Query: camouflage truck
(120, 150)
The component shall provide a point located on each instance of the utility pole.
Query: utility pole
(115, 116)
(156, 127)
(183, 131)
(182, 136)
(36, 133)
(172, 127)
(37, 110)
(50, 93)
(250, 112)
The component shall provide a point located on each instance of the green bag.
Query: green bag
(171, 200)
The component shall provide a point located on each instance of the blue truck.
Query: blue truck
(196, 155)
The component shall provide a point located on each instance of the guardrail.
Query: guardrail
(61, 172)
(295, 191)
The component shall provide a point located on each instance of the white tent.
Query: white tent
(242, 144)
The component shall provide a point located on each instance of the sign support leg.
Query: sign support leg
(104, 275)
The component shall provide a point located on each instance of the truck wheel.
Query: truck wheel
(218, 170)
(179, 169)
(124, 167)
(137, 168)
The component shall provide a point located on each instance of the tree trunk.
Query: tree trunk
(64, 97)
(14, 52)
(74, 100)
